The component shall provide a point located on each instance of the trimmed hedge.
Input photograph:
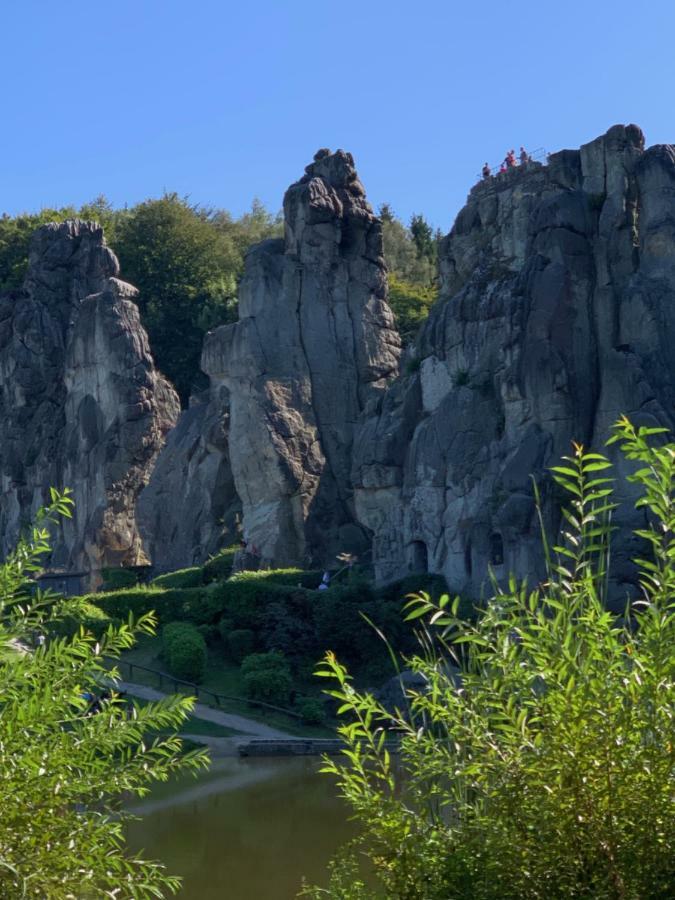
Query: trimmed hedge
(184, 651)
(292, 577)
(118, 578)
(183, 578)
(87, 616)
(219, 567)
(240, 642)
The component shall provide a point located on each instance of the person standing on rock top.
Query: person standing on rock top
(486, 171)
(524, 157)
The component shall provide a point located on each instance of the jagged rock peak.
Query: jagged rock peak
(315, 342)
(555, 318)
(81, 404)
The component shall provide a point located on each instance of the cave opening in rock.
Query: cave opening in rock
(496, 549)
(468, 562)
(419, 557)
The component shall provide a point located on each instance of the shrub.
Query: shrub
(118, 578)
(81, 615)
(184, 651)
(548, 769)
(240, 643)
(118, 604)
(210, 633)
(62, 828)
(183, 578)
(292, 577)
(170, 604)
(267, 677)
(312, 711)
(219, 567)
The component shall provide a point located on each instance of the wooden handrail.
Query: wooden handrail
(196, 688)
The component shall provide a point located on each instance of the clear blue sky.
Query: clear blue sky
(225, 101)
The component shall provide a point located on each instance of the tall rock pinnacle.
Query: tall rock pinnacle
(81, 404)
(315, 342)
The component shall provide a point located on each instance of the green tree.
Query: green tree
(543, 767)
(411, 257)
(423, 238)
(186, 271)
(15, 235)
(68, 763)
(411, 304)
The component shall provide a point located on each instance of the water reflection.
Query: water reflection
(248, 831)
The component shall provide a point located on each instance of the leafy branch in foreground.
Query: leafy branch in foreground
(65, 770)
(546, 768)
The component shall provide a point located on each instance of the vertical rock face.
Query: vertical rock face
(314, 344)
(81, 404)
(190, 508)
(556, 316)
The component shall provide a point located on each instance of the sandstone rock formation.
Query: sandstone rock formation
(556, 316)
(81, 404)
(314, 344)
(190, 508)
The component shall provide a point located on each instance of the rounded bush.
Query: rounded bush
(267, 677)
(312, 711)
(240, 643)
(184, 651)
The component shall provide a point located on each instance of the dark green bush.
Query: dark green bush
(183, 578)
(184, 650)
(210, 633)
(87, 616)
(240, 643)
(219, 567)
(118, 578)
(267, 677)
(288, 624)
(312, 711)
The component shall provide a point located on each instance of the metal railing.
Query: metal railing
(539, 155)
(198, 691)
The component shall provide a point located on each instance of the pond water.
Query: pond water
(248, 830)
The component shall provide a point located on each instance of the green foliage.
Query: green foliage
(312, 711)
(411, 304)
(185, 260)
(306, 578)
(181, 578)
(402, 252)
(118, 579)
(547, 770)
(119, 604)
(64, 770)
(219, 567)
(84, 616)
(240, 642)
(185, 270)
(267, 677)
(184, 650)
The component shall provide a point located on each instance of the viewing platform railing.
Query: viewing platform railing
(539, 155)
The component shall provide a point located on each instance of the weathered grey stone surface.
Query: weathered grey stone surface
(81, 404)
(556, 316)
(190, 509)
(315, 342)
